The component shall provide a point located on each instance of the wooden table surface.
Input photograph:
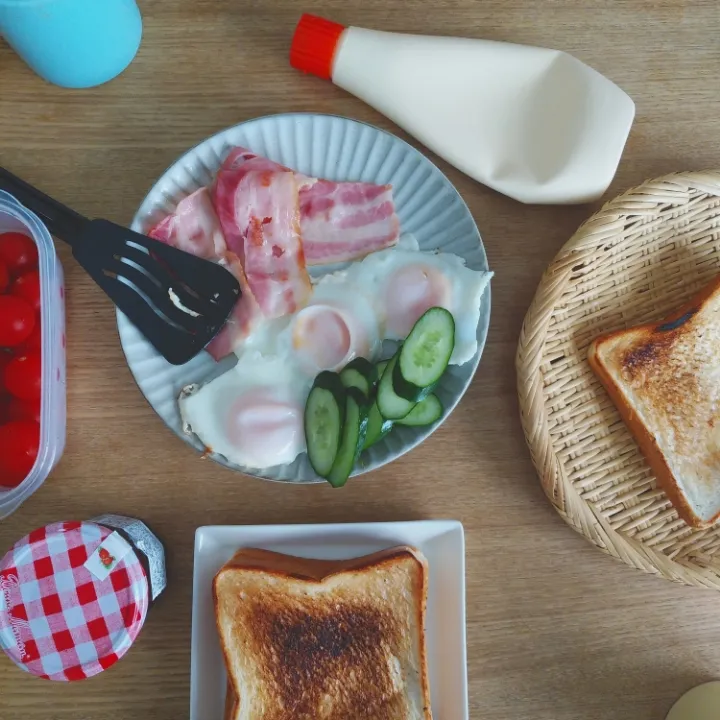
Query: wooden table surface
(556, 630)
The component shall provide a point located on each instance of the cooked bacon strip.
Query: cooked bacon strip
(194, 227)
(339, 222)
(243, 319)
(346, 221)
(242, 158)
(258, 210)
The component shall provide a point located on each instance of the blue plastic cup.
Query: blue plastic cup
(73, 43)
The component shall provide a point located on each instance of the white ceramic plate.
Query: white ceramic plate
(335, 148)
(442, 542)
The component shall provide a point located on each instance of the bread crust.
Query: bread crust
(316, 571)
(644, 438)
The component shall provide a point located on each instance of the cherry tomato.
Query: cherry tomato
(17, 320)
(5, 399)
(18, 252)
(19, 445)
(23, 376)
(17, 409)
(33, 343)
(27, 287)
(4, 277)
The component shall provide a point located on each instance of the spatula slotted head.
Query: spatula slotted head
(178, 301)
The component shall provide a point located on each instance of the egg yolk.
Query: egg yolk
(267, 431)
(410, 292)
(322, 337)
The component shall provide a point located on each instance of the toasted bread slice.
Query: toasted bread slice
(664, 379)
(327, 640)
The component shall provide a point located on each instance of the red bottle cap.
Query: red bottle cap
(314, 44)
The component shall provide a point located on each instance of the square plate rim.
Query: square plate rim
(276, 533)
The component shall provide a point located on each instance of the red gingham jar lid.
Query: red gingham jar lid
(73, 598)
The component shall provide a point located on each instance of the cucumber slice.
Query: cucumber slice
(353, 438)
(360, 374)
(354, 379)
(425, 355)
(390, 404)
(426, 412)
(380, 369)
(378, 427)
(324, 420)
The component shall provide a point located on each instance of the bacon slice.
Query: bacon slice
(339, 222)
(346, 221)
(241, 158)
(257, 206)
(244, 318)
(195, 228)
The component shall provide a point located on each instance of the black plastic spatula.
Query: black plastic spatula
(178, 301)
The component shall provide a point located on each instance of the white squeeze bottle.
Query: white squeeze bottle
(535, 124)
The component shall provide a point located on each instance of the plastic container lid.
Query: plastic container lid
(16, 218)
(73, 598)
(314, 44)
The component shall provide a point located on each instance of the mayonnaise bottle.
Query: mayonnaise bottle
(535, 124)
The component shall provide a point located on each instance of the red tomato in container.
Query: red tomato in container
(32, 344)
(18, 252)
(23, 376)
(17, 320)
(18, 409)
(4, 277)
(5, 358)
(27, 287)
(19, 445)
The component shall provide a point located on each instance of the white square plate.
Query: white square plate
(442, 542)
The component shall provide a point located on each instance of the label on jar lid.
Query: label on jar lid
(58, 619)
(108, 555)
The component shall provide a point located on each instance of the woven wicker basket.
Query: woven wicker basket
(638, 258)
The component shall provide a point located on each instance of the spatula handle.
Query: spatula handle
(61, 221)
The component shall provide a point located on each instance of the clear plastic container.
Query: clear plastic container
(16, 218)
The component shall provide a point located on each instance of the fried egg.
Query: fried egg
(253, 414)
(405, 282)
(338, 325)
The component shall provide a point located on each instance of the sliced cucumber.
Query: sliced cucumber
(425, 355)
(378, 427)
(380, 369)
(360, 374)
(390, 404)
(353, 438)
(324, 420)
(426, 412)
